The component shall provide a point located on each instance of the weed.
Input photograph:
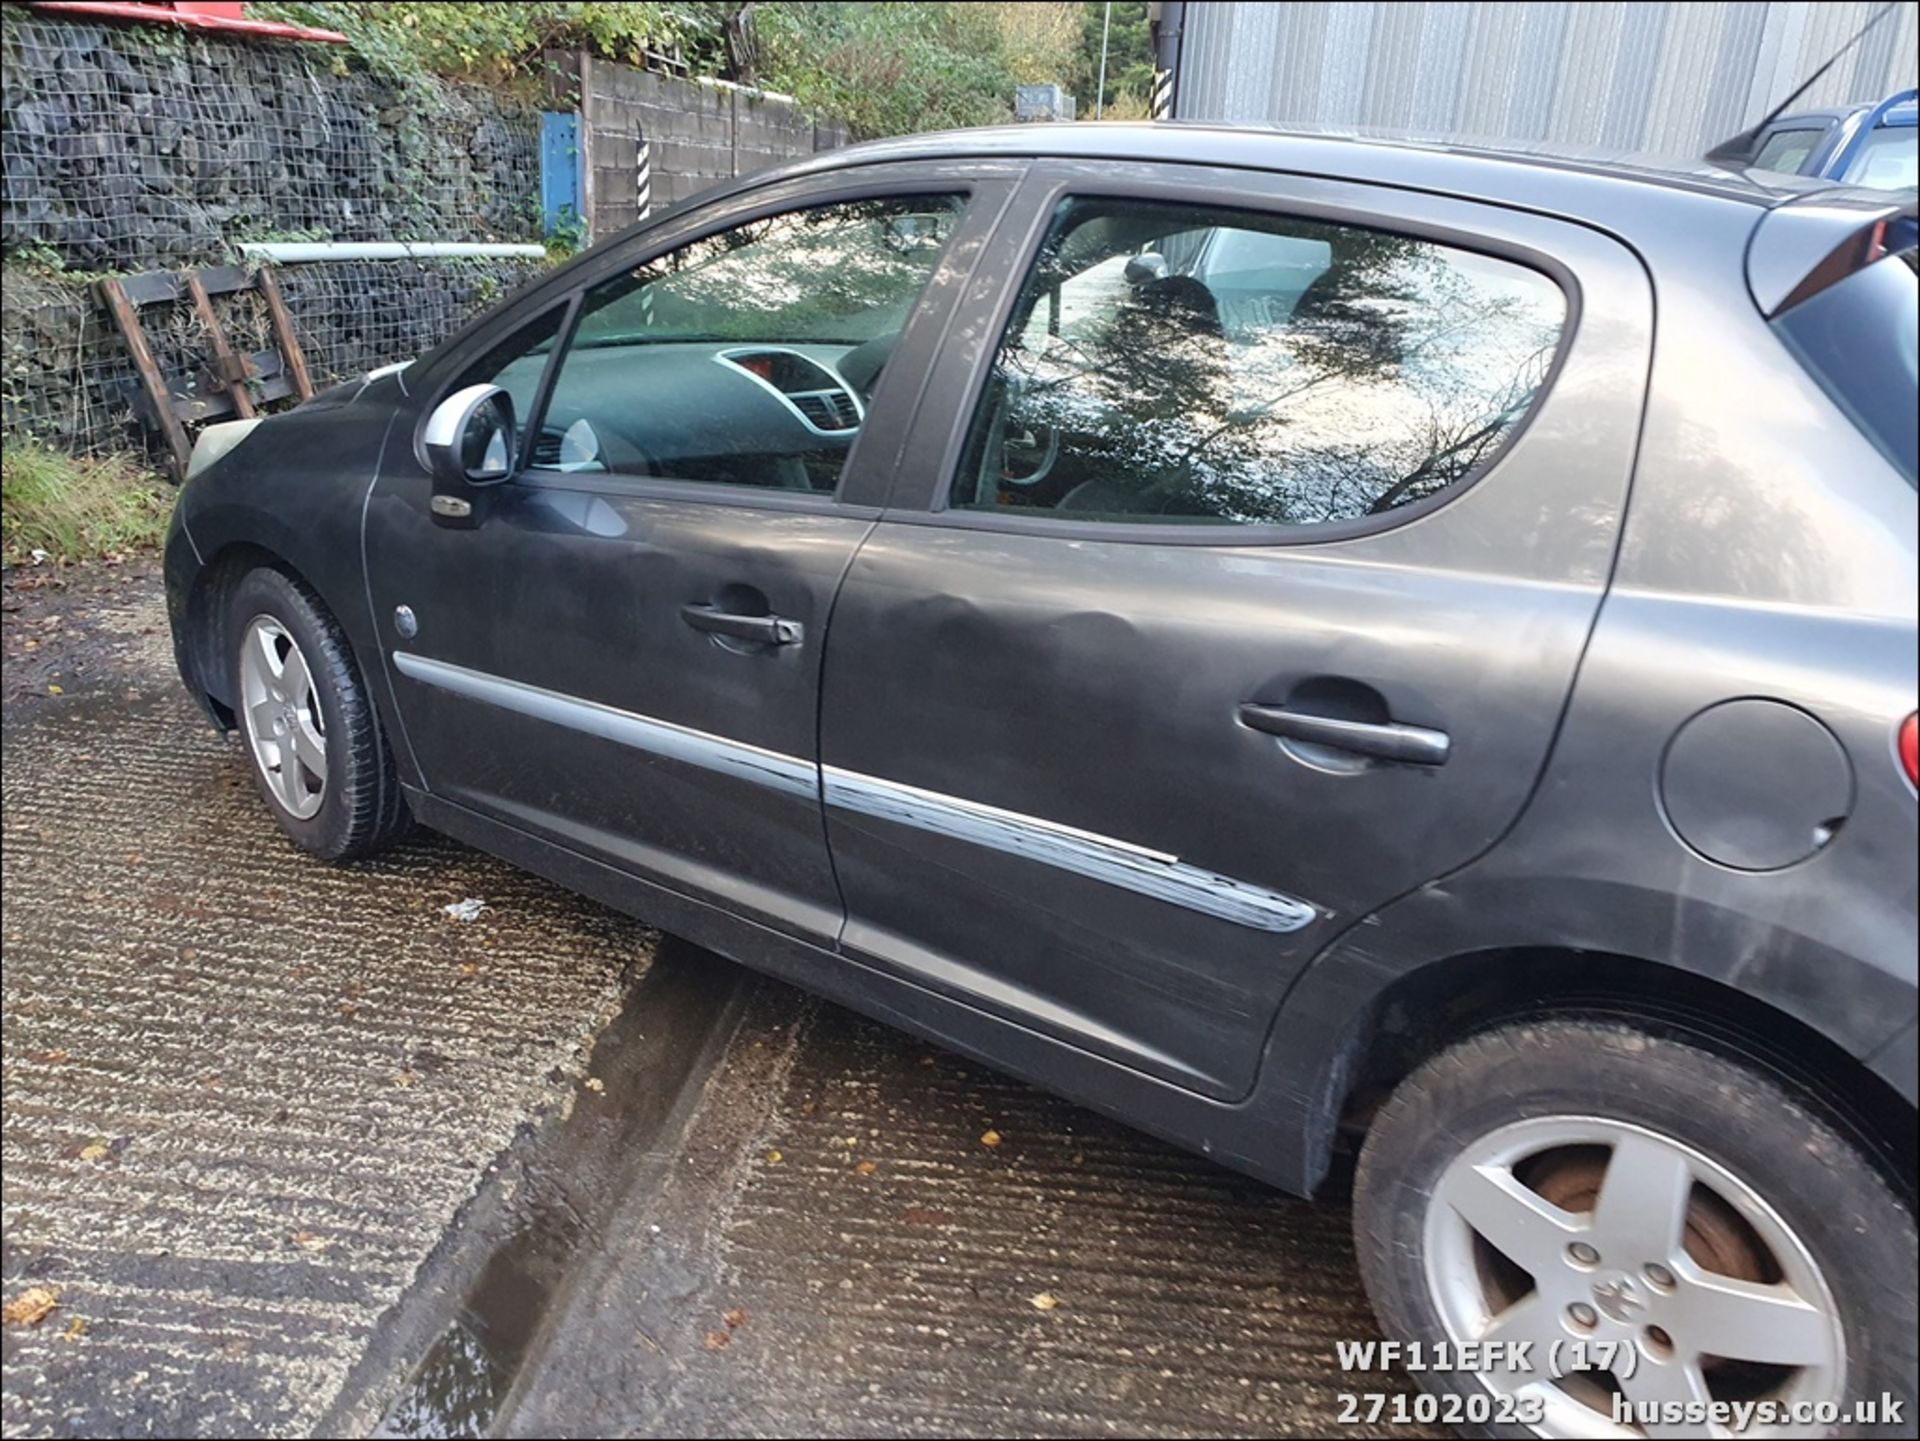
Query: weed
(73, 508)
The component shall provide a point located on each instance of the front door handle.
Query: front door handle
(1410, 745)
(765, 629)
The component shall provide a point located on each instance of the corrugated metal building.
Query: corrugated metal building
(1659, 76)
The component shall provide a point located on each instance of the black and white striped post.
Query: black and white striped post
(643, 179)
(643, 204)
(1165, 18)
(1161, 105)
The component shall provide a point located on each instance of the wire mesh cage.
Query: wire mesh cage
(130, 147)
(67, 379)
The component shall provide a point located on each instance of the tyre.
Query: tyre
(1664, 1225)
(310, 729)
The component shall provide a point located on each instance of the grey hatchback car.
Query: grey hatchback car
(1309, 646)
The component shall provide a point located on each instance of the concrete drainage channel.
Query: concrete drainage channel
(774, 1218)
(478, 1308)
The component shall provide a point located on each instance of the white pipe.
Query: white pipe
(293, 252)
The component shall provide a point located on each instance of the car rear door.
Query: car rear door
(1111, 753)
(617, 651)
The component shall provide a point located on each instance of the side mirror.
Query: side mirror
(469, 438)
(1142, 268)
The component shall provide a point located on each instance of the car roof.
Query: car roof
(1496, 168)
(1904, 115)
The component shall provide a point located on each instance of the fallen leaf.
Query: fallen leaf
(865, 1168)
(774, 1158)
(990, 1139)
(404, 1078)
(76, 1328)
(98, 1149)
(1045, 1301)
(594, 1083)
(735, 1317)
(30, 1307)
(55, 690)
(718, 1340)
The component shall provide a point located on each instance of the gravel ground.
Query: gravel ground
(860, 1235)
(245, 1093)
(282, 1135)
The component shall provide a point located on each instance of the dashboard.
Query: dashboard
(739, 413)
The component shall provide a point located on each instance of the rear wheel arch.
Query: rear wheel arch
(1425, 1010)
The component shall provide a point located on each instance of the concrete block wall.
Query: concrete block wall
(700, 135)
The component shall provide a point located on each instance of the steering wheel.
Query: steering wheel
(1028, 454)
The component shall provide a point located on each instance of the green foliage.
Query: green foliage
(888, 68)
(885, 67)
(75, 509)
(1129, 59)
(568, 237)
(490, 41)
(1041, 40)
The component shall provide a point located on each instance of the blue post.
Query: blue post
(560, 165)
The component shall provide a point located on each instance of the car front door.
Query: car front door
(617, 651)
(1197, 631)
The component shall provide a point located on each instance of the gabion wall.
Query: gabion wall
(138, 147)
(66, 378)
(131, 147)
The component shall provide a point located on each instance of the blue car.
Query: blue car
(1871, 145)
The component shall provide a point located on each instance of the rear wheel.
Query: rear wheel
(1660, 1225)
(311, 732)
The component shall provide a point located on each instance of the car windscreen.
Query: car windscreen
(1888, 159)
(1860, 338)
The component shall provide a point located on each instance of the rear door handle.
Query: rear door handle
(1410, 745)
(766, 629)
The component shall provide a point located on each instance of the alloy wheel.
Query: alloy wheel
(285, 729)
(1650, 1271)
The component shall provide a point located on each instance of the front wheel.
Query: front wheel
(310, 728)
(1618, 1232)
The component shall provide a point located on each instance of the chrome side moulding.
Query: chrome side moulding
(1102, 858)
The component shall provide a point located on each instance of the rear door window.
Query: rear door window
(1251, 370)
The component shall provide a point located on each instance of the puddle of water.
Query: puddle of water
(456, 1391)
(458, 1386)
(466, 1375)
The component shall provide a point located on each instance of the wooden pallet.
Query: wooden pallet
(233, 384)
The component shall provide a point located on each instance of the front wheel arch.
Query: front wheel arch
(205, 633)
